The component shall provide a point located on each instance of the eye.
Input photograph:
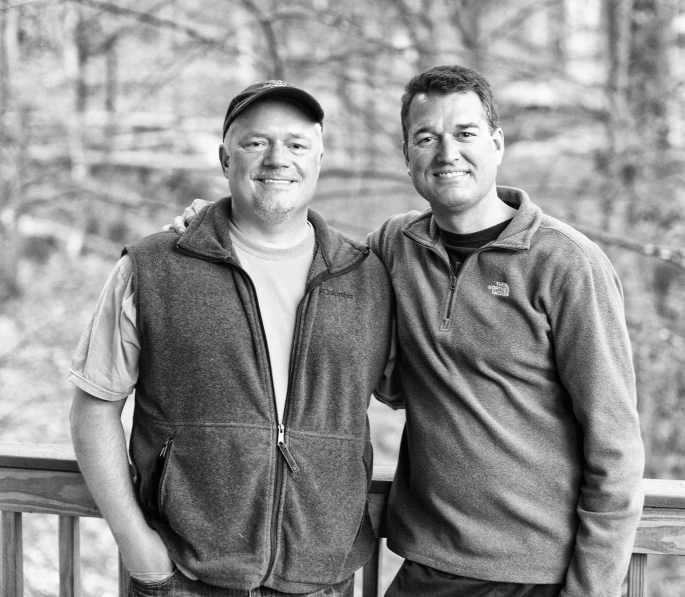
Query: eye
(423, 141)
(298, 146)
(466, 135)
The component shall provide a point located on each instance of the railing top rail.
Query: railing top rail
(659, 493)
(45, 457)
(664, 493)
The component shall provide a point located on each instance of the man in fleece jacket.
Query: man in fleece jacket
(521, 461)
(520, 466)
(253, 342)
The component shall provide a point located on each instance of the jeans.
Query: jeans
(178, 585)
(415, 579)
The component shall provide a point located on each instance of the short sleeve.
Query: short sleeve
(105, 363)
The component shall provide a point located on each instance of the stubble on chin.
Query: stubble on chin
(274, 211)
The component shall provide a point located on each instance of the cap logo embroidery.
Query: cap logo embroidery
(275, 83)
(499, 289)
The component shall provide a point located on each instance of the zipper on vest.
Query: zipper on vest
(292, 370)
(278, 482)
(287, 455)
(285, 451)
(165, 449)
(163, 463)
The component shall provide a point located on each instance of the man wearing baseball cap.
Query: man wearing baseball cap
(253, 343)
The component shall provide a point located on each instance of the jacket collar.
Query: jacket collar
(208, 238)
(424, 229)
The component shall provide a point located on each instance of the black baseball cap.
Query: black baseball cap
(267, 89)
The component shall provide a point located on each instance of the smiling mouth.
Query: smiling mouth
(278, 181)
(451, 174)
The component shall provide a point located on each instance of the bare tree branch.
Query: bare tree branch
(267, 25)
(20, 4)
(150, 19)
(673, 255)
(512, 23)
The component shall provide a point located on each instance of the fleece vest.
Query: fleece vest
(206, 445)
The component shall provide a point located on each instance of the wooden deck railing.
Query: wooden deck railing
(46, 478)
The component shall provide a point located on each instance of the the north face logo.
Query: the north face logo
(499, 289)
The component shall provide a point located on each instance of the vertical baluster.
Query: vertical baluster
(12, 555)
(69, 557)
(371, 580)
(123, 579)
(637, 575)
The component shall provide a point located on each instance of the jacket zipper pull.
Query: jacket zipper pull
(446, 319)
(284, 450)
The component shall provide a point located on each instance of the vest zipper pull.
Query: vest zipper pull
(165, 449)
(284, 450)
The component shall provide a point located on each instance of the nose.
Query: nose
(449, 149)
(276, 156)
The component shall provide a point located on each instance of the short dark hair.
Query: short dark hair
(450, 79)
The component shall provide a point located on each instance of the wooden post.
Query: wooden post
(12, 555)
(371, 581)
(69, 557)
(637, 575)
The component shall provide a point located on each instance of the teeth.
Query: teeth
(276, 181)
(451, 174)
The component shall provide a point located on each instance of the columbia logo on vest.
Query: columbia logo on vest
(499, 289)
(336, 293)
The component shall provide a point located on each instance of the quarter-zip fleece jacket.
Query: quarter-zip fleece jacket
(209, 473)
(521, 459)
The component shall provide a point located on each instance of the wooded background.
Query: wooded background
(110, 119)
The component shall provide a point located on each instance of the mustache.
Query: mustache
(275, 175)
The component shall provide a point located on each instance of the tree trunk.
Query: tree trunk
(74, 66)
(620, 125)
(276, 66)
(652, 36)
(422, 32)
(112, 74)
(9, 174)
(75, 60)
(557, 26)
(467, 17)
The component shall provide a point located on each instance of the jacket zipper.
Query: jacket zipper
(453, 285)
(448, 311)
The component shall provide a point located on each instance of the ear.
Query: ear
(223, 158)
(405, 151)
(498, 140)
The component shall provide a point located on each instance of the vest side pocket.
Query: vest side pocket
(367, 459)
(155, 501)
